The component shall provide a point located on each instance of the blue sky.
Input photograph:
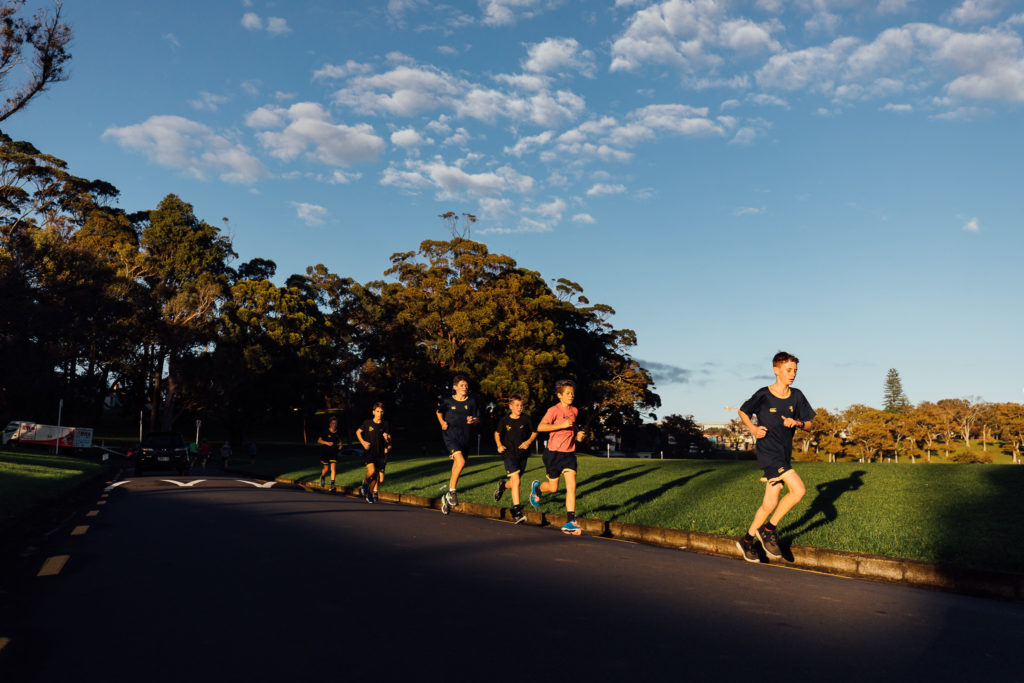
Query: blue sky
(839, 179)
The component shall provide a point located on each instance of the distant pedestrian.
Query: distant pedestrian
(225, 454)
(560, 422)
(780, 410)
(330, 444)
(456, 414)
(204, 454)
(513, 436)
(375, 436)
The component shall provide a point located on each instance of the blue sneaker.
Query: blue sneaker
(571, 528)
(535, 494)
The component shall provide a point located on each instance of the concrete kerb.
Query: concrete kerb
(979, 582)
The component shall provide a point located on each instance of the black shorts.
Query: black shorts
(774, 465)
(456, 439)
(517, 463)
(325, 460)
(379, 461)
(556, 462)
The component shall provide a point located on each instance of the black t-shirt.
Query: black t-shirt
(455, 412)
(770, 410)
(375, 432)
(334, 438)
(513, 432)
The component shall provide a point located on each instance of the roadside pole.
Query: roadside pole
(60, 410)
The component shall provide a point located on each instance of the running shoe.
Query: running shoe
(323, 480)
(333, 488)
(770, 542)
(364, 490)
(572, 528)
(453, 498)
(498, 492)
(517, 515)
(446, 507)
(748, 549)
(535, 494)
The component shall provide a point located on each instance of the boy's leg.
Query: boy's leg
(549, 486)
(458, 462)
(513, 483)
(768, 504)
(570, 491)
(795, 494)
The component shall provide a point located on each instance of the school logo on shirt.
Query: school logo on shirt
(371, 428)
(791, 409)
(771, 410)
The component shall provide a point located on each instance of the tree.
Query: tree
(895, 401)
(866, 430)
(827, 429)
(40, 44)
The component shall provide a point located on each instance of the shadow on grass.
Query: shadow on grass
(648, 496)
(822, 509)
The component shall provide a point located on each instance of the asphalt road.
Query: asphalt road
(224, 580)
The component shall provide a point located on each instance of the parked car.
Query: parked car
(161, 451)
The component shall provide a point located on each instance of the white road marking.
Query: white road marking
(264, 485)
(191, 483)
(53, 565)
(115, 485)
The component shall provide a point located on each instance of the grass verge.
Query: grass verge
(28, 480)
(962, 515)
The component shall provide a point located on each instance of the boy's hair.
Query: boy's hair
(561, 384)
(783, 357)
(376, 405)
(515, 397)
(459, 378)
(333, 418)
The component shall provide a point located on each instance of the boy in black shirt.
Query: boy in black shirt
(513, 436)
(375, 436)
(779, 409)
(456, 415)
(330, 442)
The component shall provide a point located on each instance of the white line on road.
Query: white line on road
(115, 485)
(264, 485)
(53, 565)
(191, 483)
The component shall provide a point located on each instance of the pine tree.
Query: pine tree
(895, 400)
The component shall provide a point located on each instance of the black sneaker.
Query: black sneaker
(364, 491)
(748, 549)
(517, 515)
(323, 480)
(770, 542)
(498, 492)
(453, 498)
(333, 487)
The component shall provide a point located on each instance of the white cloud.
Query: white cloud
(602, 189)
(309, 131)
(748, 211)
(689, 34)
(583, 218)
(334, 71)
(972, 226)
(189, 146)
(208, 101)
(559, 55)
(275, 26)
(408, 137)
(310, 214)
(744, 136)
(529, 143)
(172, 39)
(899, 108)
(453, 181)
(505, 12)
(975, 11)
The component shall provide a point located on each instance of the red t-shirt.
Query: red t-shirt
(562, 440)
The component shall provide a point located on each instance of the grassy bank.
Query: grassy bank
(963, 514)
(29, 479)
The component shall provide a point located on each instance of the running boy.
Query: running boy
(375, 436)
(456, 415)
(330, 442)
(513, 436)
(560, 454)
(779, 409)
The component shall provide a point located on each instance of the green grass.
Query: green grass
(29, 479)
(964, 515)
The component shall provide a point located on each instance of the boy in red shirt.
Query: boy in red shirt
(560, 453)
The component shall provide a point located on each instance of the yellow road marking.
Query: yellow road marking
(53, 565)
(92, 513)
(101, 502)
(80, 530)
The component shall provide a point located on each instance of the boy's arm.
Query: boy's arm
(526, 444)
(790, 422)
(363, 442)
(497, 440)
(440, 418)
(758, 431)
